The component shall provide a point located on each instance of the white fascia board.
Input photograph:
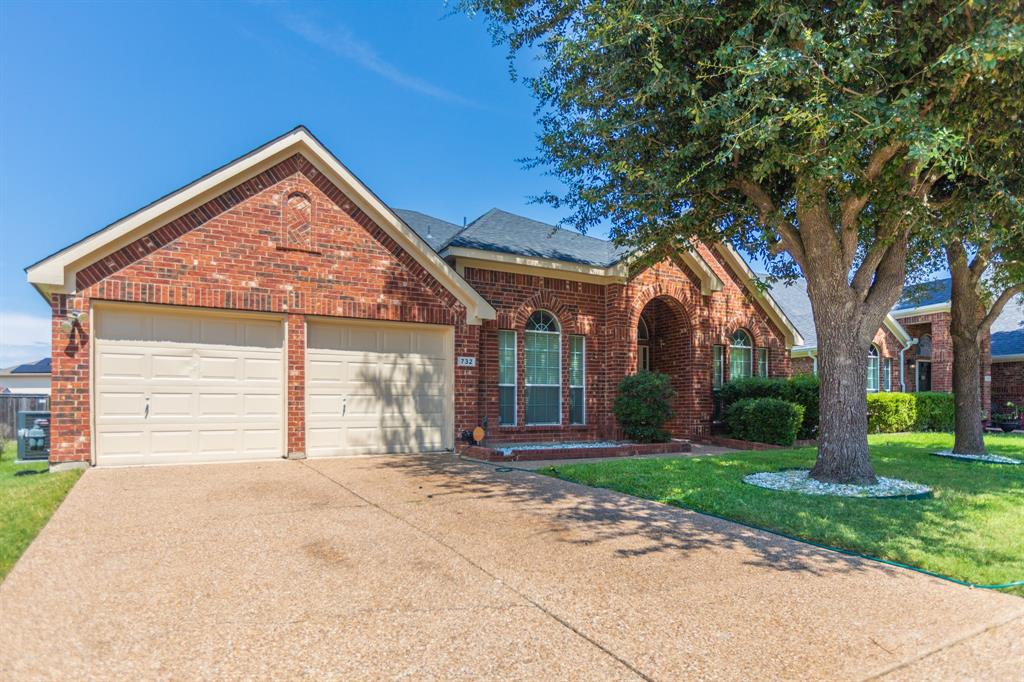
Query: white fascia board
(897, 329)
(921, 310)
(615, 273)
(793, 338)
(57, 272)
(803, 351)
(1015, 357)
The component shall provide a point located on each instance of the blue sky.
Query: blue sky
(105, 107)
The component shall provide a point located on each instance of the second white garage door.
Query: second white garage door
(375, 388)
(181, 386)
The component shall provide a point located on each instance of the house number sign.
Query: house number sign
(466, 361)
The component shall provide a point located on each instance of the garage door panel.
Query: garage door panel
(124, 365)
(208, 400)
(394, 379)
(256, 405)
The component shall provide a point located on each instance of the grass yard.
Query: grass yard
(26, 503)
(973, 528)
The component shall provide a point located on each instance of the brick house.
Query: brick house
(913, 350)
(1008, 357)
(277, 307)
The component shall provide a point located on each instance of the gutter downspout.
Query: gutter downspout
(814, 360)
(903, 383)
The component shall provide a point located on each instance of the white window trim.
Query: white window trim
(583, 358)
(749, 346)
(887, 373)
(878, 357)
(527, 383)
(760, 351)
(515, 377)
(718, 378)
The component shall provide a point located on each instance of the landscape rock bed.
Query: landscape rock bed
(984, 459)
(523, 452)
(799, 481)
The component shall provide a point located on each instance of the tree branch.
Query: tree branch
(997, 307)
(851, 206)
(770, 216)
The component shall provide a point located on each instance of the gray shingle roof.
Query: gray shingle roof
(506, 232)
(925, 293)
(792, 298)
(434, 231)
(1008, 330)
(37, 367)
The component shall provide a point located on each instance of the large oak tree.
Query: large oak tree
(812, 129)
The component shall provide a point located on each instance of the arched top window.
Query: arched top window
(543, 359)
(642, 332)
(741, 355)
(542, 321)
(873, 368)
(924, 346)
(740, 339)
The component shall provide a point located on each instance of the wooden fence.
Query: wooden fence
(13, 403)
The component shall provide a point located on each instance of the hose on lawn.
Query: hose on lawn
(847, 552)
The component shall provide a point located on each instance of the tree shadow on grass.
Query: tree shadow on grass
(631, 526)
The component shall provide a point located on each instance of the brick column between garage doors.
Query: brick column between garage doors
(295, 424)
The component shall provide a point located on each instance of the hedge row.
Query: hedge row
(887, 412)
(764, 420)
(801, 389)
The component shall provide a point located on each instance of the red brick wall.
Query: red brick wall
(251, 249)
(1007, 384)
(937, 325)
(234, 253)
(685, 324)
(802, 365)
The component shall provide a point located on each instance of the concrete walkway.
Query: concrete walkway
(426, 567)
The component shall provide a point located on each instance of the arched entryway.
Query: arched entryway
(663, 340)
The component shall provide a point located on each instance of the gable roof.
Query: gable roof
(56, 273)
(931, 296)
(1008, 333)
(793, 298)
(434, 231)
(522, 244)
(506, 232)
(37, 367)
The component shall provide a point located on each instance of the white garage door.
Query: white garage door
(378, 388)
(187, 386)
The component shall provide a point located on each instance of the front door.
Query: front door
(924, 375)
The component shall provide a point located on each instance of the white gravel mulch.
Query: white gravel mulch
(989, 459)
(506, 450)
(799, 481)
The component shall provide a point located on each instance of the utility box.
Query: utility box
(33, 435)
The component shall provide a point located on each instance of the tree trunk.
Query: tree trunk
(842, 369)
(965, 322)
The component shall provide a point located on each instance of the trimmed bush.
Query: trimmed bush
(764, 420)
(801, 390)
(891, 412)
(643, 405)
(935, 411)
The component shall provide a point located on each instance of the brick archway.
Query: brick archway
(671, 350)
(545, 300)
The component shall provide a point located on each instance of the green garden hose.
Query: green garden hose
(840, 550)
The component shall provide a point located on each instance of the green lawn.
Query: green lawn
(973, 528)
(26, 503)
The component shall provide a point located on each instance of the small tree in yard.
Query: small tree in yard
(809, 134)
(980, 238)
(643, 405)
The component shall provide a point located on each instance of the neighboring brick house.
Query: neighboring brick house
(1008, 358)
(915, 341)
(882, 358)
(277, 307)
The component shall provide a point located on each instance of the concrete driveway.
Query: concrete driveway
(430, 567)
